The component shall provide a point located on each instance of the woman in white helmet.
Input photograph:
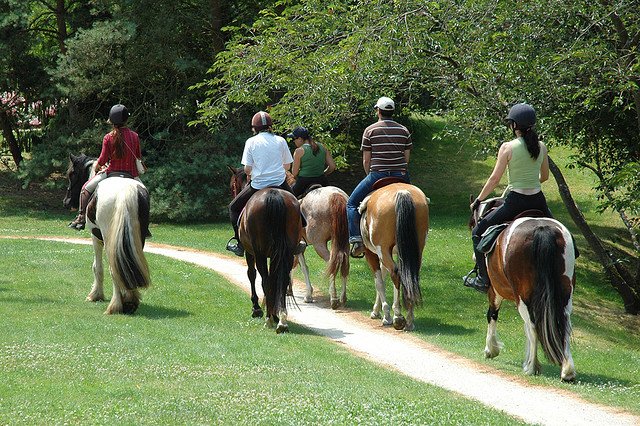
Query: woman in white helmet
(265, 158)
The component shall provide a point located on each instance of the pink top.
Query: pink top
(131, 151)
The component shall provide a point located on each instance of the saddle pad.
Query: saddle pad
(488, 240)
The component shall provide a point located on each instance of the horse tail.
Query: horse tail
(281, 251)
(124, 243)
(408, 249)
(548, 303)
(339, 256)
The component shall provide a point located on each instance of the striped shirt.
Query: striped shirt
(387, 141)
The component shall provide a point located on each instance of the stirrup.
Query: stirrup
(357, 250)
(236, 248)
(466, 280)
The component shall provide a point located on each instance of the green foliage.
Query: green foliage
(192, 184)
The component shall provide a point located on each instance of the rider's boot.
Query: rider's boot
(80, 220)
(481, 282)
(234, 245)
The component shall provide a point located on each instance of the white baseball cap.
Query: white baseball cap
(385, 104)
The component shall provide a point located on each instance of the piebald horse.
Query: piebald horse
(325, 209)
(270, 227)
(533, 264)
(118, 218)
(395, 220)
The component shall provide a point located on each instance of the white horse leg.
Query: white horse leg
(381, 300)
(493, 345)
(115, 306)
(343, 295)
(282, 327)
(399, 321)
(568, 373)
(531, 365)
(97, 293)
(308, 297)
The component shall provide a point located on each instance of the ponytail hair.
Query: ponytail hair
(314, 147)
(118, 142)
(532, 142)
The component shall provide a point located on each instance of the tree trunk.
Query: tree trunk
(620, 278)
(61, 24)
(217, 22)
(9, 137)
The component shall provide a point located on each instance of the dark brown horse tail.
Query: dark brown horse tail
(547, 307)
(408, 250)
(339, 256)
(281, 251)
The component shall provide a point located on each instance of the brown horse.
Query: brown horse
(533, 264)
(395, 219)
(325, 209)
(270, 227)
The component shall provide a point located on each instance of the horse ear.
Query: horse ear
(471, 198)
(232, 170)
(72, 157)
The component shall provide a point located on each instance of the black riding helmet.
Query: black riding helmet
(523, 115)
(118, 115)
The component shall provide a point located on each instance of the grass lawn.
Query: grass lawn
(189, 315)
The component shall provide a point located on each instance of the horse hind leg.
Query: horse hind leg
(308, 297)
(568, 372)
(493, 346)
(531, 365)
(97, 290)
(399, 321)
(130, 301)
(256, 310)
(283, 326)
(115, 306)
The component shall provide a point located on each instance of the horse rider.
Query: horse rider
(527, 164)
(312, 162)
(386, 146)
(120, 149)
(265, 158)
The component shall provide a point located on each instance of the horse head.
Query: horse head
(78, 174)
(238, 180)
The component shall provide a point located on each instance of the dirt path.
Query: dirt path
(414, 357)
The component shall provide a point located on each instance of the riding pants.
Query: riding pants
(303, 183)
(514, 204)
(360, 193)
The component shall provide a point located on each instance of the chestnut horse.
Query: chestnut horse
(325, 209)
(118, 218)
(270, 227)
(395, 220)
(533, 264)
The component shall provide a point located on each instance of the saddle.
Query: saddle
(387, 181)
(490, 236)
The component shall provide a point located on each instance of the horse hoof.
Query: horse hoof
(399, 323)
(375, 315)
(257, 313)
(129, 308)
(409, 327)
(308, 299)
(386, 322)
(335, 304)
(95, 299)
(282, 329)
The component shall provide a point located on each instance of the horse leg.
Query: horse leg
(263, 270)
(493, 345)
(115, 306)
(530, 365)
(97, 292)
(381, 299)
(308, 297)
(568, 373)
(399, 321)
(256, 311)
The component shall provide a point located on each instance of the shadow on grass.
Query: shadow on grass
(156, 312)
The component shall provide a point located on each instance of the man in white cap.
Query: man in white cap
(385, 147)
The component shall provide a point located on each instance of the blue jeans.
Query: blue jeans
(359, 193)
